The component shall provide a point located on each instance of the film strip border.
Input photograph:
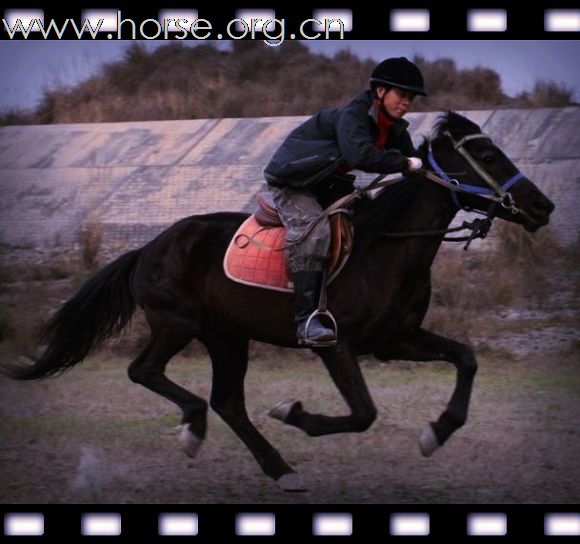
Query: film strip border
(546, 19)
(229, 523)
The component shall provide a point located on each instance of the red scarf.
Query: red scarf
(384, 123)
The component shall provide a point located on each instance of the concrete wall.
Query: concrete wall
(135, 179)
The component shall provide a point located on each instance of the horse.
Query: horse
(379, 300)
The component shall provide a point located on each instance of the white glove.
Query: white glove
(413, 164)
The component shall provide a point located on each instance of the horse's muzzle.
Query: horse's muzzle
(538, 214)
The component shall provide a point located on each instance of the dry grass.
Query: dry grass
(532, 251)
(91, 239)
(517, 271)
(252, 80)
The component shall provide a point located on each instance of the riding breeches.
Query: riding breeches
(297, 209)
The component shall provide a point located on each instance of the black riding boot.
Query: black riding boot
(306, 294)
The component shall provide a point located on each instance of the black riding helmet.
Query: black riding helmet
(398, 72)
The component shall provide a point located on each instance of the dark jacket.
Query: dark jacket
(335, 137)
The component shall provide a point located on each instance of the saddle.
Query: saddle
(256, 253)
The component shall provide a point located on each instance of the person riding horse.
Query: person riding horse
(313, 162)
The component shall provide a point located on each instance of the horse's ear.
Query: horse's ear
(456, 124)
(452, 116)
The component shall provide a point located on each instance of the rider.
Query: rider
(313, 161)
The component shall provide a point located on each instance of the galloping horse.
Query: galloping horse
(379, 300)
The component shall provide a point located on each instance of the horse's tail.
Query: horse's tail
(100, 309)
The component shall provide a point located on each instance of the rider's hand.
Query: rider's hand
(414, 164)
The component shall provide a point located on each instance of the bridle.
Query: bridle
(496, 192)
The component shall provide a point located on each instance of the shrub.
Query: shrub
(253, 80)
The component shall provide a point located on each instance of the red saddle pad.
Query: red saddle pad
(256, 257)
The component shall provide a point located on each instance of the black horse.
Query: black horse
(379, 301)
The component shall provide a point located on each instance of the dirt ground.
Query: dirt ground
(92, 436)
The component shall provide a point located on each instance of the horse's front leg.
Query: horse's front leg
(423, 345)
(342, 365)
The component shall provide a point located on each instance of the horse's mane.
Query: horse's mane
(455, 124)
(373, 217)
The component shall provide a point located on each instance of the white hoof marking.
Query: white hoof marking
(189, 441)
(291, 482)
(428, 441)
(281, 410)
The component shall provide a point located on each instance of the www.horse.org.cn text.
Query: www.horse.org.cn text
(271, 31)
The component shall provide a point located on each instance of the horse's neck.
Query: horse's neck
(431, 210)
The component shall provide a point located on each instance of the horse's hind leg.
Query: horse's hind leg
(344, 370)
(229, 357)
(427, 346)
(169, 335)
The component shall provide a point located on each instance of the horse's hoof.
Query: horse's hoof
(282, 410)
(291, 482)
(428, 441)
(189, 441)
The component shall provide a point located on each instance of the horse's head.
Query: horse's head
(470, 159)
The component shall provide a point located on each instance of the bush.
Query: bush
(254, 80)
(516, 267)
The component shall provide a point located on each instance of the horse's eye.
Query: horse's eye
(487, 158)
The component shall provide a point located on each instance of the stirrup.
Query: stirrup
(306, 342)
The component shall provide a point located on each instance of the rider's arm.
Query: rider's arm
(357, 144)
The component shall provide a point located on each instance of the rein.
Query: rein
(496, 194)
(479, 227)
